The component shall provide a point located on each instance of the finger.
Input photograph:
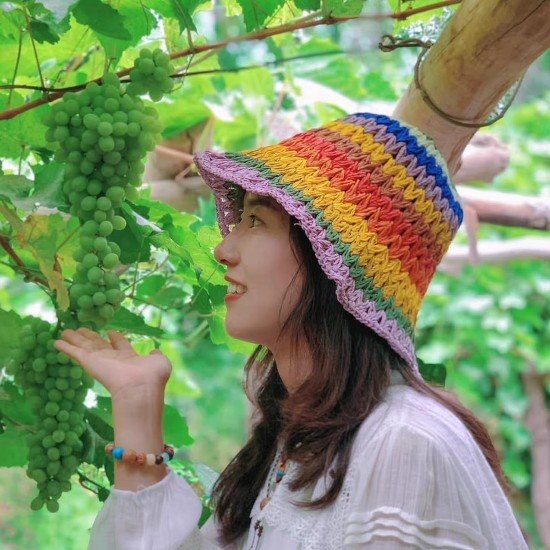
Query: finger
(155, 352)
(100, 343)
(77, 339)
(119, 341)
(74, 352)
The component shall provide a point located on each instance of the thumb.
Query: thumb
(156, 352)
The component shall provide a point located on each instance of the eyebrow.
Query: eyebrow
(261, 201)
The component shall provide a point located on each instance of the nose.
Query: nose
(226, 253)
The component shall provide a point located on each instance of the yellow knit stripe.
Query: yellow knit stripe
(433, 217)
(373, 256)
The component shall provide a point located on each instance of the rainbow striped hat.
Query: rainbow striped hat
(374, 197)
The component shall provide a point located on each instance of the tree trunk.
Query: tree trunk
(484, 49)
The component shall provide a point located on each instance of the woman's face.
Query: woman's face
(258, 255)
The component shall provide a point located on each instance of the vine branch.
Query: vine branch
(176, 75)
(5, 244)
(302, 23)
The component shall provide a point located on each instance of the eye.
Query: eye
(252, 217)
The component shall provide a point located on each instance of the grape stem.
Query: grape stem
(17, 60)
(27, 19)
(302, 23)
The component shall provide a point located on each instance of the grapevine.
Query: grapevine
(102, 134)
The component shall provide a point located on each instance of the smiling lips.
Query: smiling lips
(234, 291)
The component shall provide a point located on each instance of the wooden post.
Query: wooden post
(484, 49)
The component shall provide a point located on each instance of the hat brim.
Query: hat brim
(219, 170)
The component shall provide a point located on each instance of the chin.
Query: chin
(241, 333)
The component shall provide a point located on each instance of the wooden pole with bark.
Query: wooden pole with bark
(483, 50)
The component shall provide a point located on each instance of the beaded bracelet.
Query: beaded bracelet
(132, 457)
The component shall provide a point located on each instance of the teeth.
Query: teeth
(239, 289)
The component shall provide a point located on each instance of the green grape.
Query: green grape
(90, 260)
(111, 280)
(37, 503)
(114, 296)
(91, 121)
(87, 243)
(88, 204)
(112, 158)
(100, 243)
(105, 129)
(119, 223)
(58, 436)
(100, 216)
(51, 408)
(52, 505)
(85, 302)
(120, 128)
(110, 261)
(61, 118)
(94, 187)
(106, 311)
(53, 467)
(106, 143)
(105, 228)
(115, 194)
(104, 203)
(99, 298)
(94, 274)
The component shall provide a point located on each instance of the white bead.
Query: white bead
(150, 459)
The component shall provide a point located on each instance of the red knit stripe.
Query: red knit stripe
(376, 200)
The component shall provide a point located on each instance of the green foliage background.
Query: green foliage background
(486, 324)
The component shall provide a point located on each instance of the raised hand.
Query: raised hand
(114, 362)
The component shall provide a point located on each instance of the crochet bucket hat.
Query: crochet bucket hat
(374, 197)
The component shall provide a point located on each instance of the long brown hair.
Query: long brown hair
(351, 375)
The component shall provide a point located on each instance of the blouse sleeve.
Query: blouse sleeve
(162, 516)
(408, 495)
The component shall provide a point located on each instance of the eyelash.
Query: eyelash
(250, 216)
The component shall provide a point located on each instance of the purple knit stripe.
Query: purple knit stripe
(216, 168)
(398, 149)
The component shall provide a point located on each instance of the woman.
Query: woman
(334, 235)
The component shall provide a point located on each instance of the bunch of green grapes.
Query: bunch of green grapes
(103, 135)
(55, 387)
(151, 74)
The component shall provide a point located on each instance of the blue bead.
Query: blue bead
(165, 457)
(118, 452)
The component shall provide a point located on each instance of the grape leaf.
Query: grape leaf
(180, 10)
(143, 22)
(13, 448)
(133, 239)
(14, 405)
(11, 325)
(23, 131)
(101, 426)
(15, 189)
(308, 4)
(101, 18)
(94, 447)
(344, 8)
(36, 236)
(174, 427)
(126, 321)
(256, 13)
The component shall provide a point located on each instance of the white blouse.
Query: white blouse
(417, 479)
